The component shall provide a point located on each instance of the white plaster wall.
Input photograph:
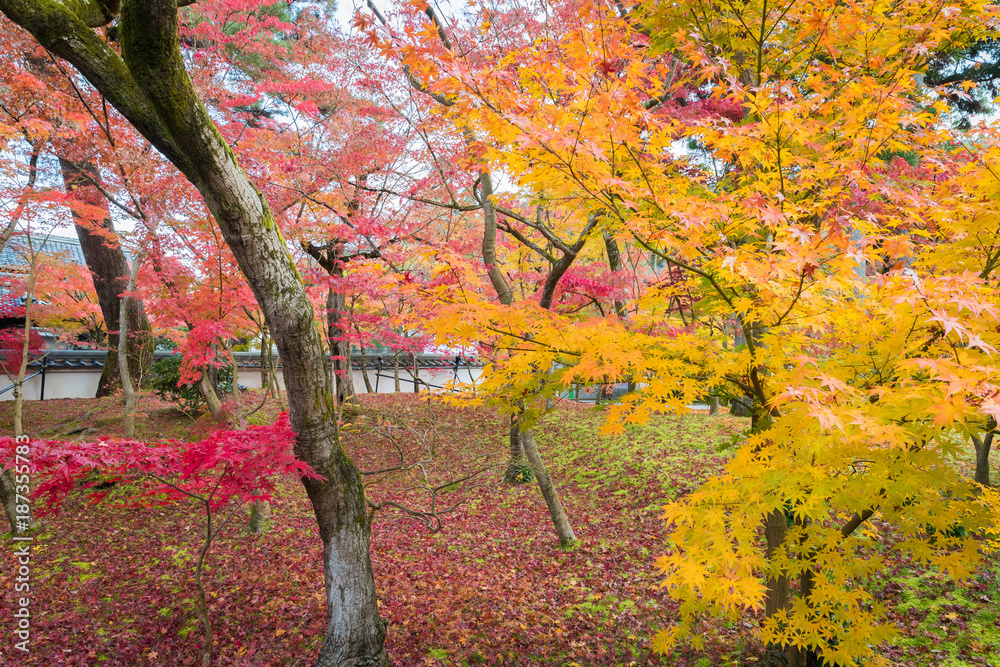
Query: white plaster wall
(58, 384)
(83, 383)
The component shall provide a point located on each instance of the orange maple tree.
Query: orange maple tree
(848, 295)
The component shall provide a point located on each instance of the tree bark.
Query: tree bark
(778, 591)
(109, 270)
(515, 456)
(364, 371)
(260, 517)
(266, 360)
(340, 348)
(559, 519)
(8, 488)
(416, 373)
(983, 447)
(395, 370)
(212, 400)
(125, 369)
(150, 87)
(26, 345)
(615, 264)
(8, 495)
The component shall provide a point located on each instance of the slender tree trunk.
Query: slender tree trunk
(125, 370)
(260, 517)
(212, 401)
(797, 656)
(526, 441)
(559, 519)
(713, 406)
(364, 371)
(265, 360)
(395, 370)
(238, 415)
(615, 264)
(983, 447)
(8, 494)
(416, 373)
(109, 270)
(8, 487)
(340, 348)
(515, 456)
(775, 530)
(25, 349)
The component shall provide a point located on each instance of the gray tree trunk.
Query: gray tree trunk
(983, 446)
(149, 85)
(364, 371)
(515, 454)
(125, 369)
(559, 519)
(340, 349)
(211, 397)
(8, 488)
(395, 370)
(415, 373)
(8, 495)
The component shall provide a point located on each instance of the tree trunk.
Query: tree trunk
(395, 370)
(515, 457)
(713, 406)
(152, 90)
(125, 370)
(340, 348)
(739, 407)
(364, 371)
(416, 373)
(983, 447)
(109, 270)
(8, 488)
(775, 530)
(615, 264)
(8, 494)
(266, 360)
(548, 489)
(797, 656)
(25, 347)
(212, 401)
(260, 518)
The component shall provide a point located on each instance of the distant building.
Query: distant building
(13, 260)
(14, 263)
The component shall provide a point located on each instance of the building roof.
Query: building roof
(12, 257)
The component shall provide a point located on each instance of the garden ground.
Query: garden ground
(112, 583)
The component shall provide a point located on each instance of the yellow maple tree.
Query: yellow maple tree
(757, 149)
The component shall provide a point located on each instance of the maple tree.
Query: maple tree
(220, 473)
(150, 86)
(58, 115)
(862, 388)
(548, 239)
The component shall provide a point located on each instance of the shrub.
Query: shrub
(165, 378)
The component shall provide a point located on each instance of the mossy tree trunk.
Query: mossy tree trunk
(149, 85)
